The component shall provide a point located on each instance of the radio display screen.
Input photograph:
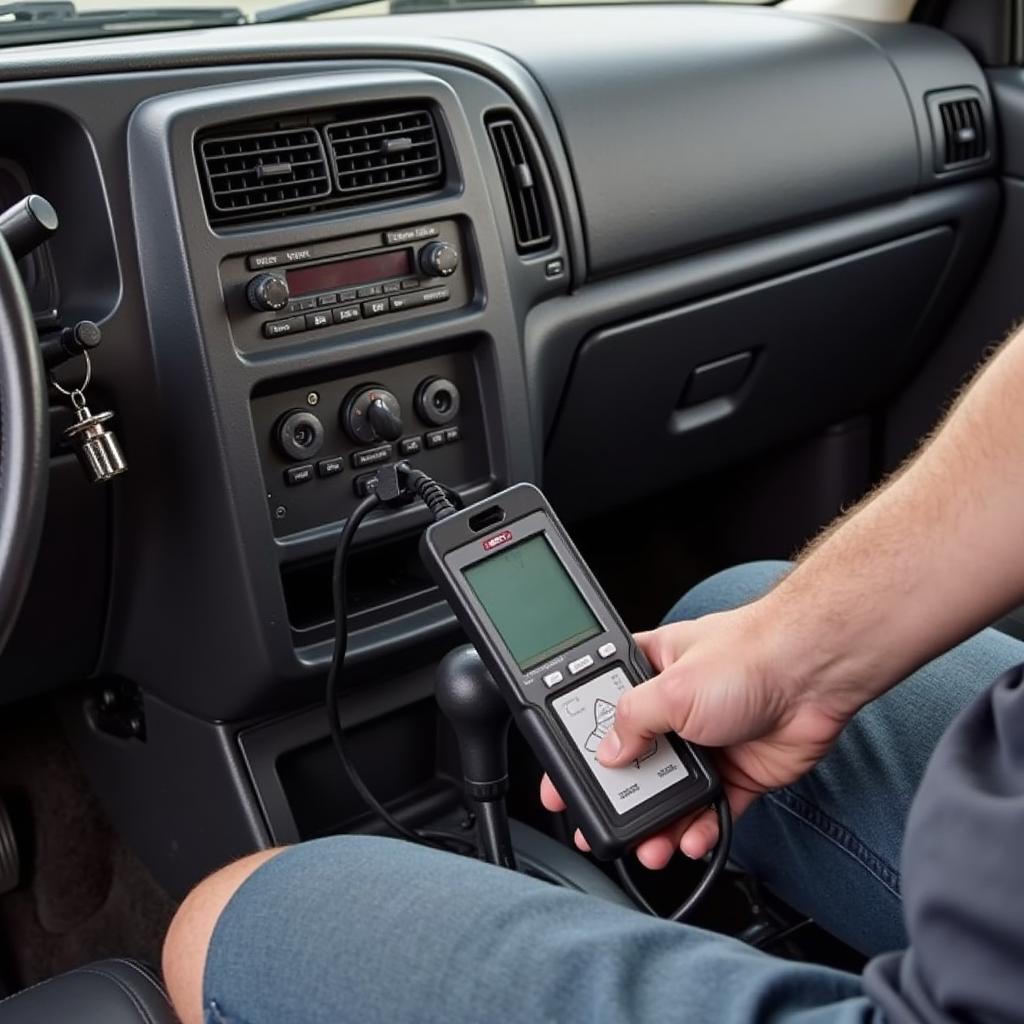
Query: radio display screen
(325, 277)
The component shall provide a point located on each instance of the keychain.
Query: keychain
(96, 447)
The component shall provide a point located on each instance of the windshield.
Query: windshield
(40, 21)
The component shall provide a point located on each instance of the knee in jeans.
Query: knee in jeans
(188, 938)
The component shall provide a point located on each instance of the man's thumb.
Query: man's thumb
(643, 713)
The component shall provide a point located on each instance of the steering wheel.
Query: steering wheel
(24, 442)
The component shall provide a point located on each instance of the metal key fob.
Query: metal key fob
(96, 447)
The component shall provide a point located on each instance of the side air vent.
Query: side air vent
(527, 203)
(961, 138)
(261, 172)
(385, 153)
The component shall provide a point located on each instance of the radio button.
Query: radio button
(295, 475)
(298, 255)
(329, 299)
(452, 434)
(400, 302)
(265, 260)
(346, 315)
(435, 438)
(279, 328)
(299, 305)
(409, 283)
(349, 295)
(371, 456)
(375, 307)
(390, 287)
(410, 446)
(315, 320)
(366, 484)
(553, 679)
(416, 234)
(435, 295)
(330, 467)
(369, 291)
(577, 666)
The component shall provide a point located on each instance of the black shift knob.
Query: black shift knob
(469, 698)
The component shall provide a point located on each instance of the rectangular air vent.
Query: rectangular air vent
(385, 153)
(958, 121)
(262, 172)
(531, 221)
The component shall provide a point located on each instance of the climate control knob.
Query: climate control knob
(371, 414)
(267, 293)
(439, 259)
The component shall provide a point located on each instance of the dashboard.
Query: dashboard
(576, 246)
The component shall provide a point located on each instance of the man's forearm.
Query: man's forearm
(934, 555)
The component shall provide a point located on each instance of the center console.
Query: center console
(348, 248)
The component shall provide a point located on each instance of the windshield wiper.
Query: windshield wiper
(45, 21)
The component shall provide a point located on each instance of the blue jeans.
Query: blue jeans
(355, 928)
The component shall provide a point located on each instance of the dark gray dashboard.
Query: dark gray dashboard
(707, 172)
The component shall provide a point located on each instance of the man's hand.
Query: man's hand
(920, 565)
(721, 684)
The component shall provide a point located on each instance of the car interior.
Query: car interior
(703, 272)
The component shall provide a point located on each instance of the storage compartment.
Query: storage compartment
(383, 581)
(395, 755)
(819, 344)
(397, 741)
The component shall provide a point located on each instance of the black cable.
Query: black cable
(334, 676)
(429, 491)
(711, 872)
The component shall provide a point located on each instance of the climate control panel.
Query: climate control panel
(320, 445)
(339, 286)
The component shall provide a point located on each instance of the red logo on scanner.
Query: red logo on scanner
(497, 540)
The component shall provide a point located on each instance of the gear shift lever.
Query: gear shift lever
(470, 700)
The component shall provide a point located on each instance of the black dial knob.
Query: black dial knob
(384, 419)
(439, 259)
(267, 293)
(372, 413)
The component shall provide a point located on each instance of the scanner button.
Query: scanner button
(606, 650)
(553, 679)
(577, 666)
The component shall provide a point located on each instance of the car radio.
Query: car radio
(342, 284)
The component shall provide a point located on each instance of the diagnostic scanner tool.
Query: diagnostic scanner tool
(562, 657)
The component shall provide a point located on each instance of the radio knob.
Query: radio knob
(385, 419)
(267, 293)
(439, 259)
(372, 413)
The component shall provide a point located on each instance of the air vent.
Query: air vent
(385, 153)
(527, 203)
(958, 120)
(262, 172)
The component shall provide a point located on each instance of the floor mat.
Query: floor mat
(84, 895)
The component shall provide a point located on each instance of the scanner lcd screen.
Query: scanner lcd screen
(532, 601)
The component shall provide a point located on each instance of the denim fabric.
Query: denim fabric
(830, 844)
(368, 930)
(365, 929)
